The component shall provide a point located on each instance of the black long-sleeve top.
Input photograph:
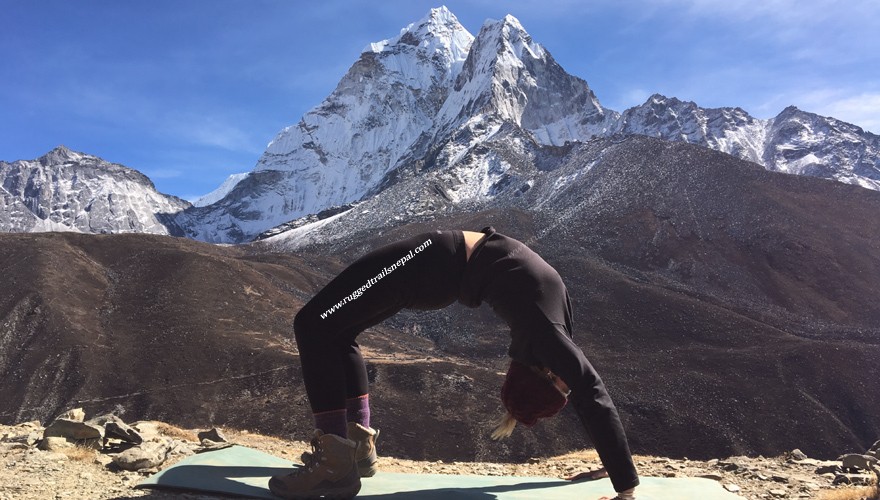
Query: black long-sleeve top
(529, 295)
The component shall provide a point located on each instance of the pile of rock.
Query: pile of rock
(136, 447)
(794, 475)
(860, 468)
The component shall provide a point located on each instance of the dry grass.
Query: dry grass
(860, 493)
(80, 453)
(175, 432)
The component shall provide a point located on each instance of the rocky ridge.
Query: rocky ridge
(38, 463)
(64, 190)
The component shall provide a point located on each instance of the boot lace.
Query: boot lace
(315, 456)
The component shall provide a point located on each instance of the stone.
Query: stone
(797, 454)
(116, 428)
(28, 440)
(854, 479)
(730, 466)
(208, 445)
(33, 424)
(73, 430)
(143, 456)
(714, 477)
(54, 444)
(732, 488)
(856, 461)
(779, 478)
(76, 414)
(146, 429)
(779, 493)
(874, 450)
(213, 435)
(828, 468)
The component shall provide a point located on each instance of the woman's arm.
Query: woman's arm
(593, 405)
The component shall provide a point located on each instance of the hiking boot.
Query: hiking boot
(365, 456)
(332, 472)
(367, 460)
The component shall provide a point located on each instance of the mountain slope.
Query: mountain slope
(68, 191)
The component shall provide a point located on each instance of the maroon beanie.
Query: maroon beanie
(529, 395)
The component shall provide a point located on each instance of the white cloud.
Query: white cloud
(212, 131)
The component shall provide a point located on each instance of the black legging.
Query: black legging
(422, 272)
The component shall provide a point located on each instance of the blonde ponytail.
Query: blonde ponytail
(505, 426)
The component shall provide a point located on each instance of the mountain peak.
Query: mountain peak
(511, 31)
(440, 14)
(512, 22)
(60, 155)
(439, 28)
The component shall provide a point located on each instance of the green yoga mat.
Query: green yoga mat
(245, 472)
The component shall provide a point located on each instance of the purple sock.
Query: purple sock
(332, 422)
(359, 410)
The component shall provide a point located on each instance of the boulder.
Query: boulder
(213, 435)
(55, 444)
(74, 430)
(76, 415)
(143, 456)
(829, 467)
(114, 427)
(857, 461)
(146, 429)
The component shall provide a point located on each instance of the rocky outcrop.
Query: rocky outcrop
(125, 445)
(64, 190)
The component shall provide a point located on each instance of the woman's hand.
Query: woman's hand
(589, 475)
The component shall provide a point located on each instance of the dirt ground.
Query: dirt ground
(27, 473)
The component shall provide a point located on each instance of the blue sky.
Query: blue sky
(189, 92)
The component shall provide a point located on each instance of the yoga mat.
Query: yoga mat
(245, 472)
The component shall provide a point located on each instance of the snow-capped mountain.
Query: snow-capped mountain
(218, 194)
(795, 141)
(425, 100)
(730, 130)
(478, 114)
(804, 143)
(437, 99)
(69, 191)
(345, 146)
(508, 78)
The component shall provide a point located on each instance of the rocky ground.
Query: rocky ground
(34, 467)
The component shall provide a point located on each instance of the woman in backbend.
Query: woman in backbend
(431, 271)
